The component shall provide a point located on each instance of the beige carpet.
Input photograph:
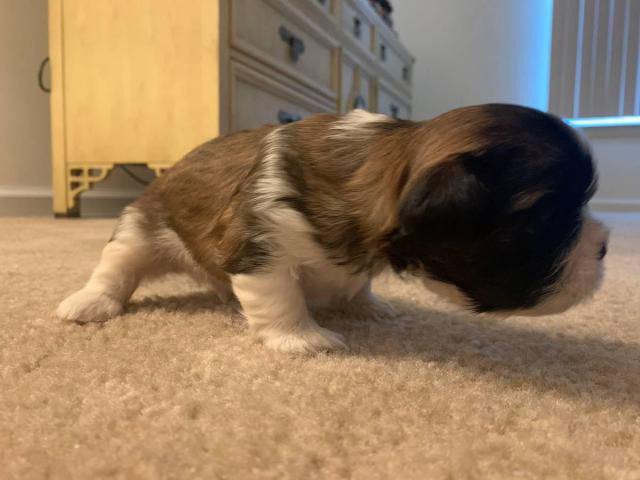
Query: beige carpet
(175, 389)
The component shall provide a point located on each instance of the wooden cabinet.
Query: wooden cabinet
(145, 81)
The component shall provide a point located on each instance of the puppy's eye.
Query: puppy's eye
(603, 251)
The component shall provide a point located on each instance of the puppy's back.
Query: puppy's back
(194, 197)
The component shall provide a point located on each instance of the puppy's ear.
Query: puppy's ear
(448, 201)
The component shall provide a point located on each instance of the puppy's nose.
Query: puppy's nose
(603, 251)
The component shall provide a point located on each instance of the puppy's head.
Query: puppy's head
(494, 215)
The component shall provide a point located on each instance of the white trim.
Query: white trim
(620, 121)
(10, 191)
(622, 204)
(27, 191)
(26, 200)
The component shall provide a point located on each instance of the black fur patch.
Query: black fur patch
(460, 224)
(253, 256)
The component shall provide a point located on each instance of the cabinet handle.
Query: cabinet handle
(41, 84)
(405, 73)
(296, 45)
(360, 102)
(383, 52)
(357, 27)
(285, 117)
(322, 2)
(394, 110)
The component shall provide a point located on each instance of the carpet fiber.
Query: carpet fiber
(176, 389)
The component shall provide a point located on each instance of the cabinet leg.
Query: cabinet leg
(73, 212)
(77, 179)
(62, 208)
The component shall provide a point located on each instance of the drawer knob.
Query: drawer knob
(285, 117)
(41, 84)
(405, 73)
(296, 45)
(357, 27)
(359, 102)
(394, 110)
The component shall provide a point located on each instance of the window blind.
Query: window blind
(595, 55)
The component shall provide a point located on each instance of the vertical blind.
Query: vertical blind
(595, 58)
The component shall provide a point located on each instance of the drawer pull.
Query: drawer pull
(286, 117)
(41, 84)
(296, 45)
(357, 27)
(322, 2)
(383, 52)
(405, 73)
(359, 102)
(394, 110)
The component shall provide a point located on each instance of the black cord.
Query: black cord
(133, 175)
(41, 84)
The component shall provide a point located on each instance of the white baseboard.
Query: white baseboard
(37, 201)
(621, 204)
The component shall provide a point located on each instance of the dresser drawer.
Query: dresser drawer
(258, 100)
(393, 62)
(356, 25)
(392, 104)
(356, 85)
(323, 4)
(278, 36)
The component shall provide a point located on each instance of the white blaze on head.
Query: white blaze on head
(582, 274)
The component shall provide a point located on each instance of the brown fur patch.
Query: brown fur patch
(202, 199)
(347, 182)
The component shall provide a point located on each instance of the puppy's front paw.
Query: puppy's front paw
(380, 307)
(373, 307)
(304, 340)
(88, 306)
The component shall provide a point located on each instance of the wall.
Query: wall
(25, 145)
(24, 108)
(467, 52)
(470, 52)
(617, 152)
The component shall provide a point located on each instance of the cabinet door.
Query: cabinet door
(140, 78)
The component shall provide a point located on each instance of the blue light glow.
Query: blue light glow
(622, 121)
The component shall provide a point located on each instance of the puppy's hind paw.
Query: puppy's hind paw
(88, 306)
(372, 307)
(308, 340)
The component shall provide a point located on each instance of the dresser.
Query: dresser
(142, 82)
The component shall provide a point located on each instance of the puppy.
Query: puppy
(485, 204)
